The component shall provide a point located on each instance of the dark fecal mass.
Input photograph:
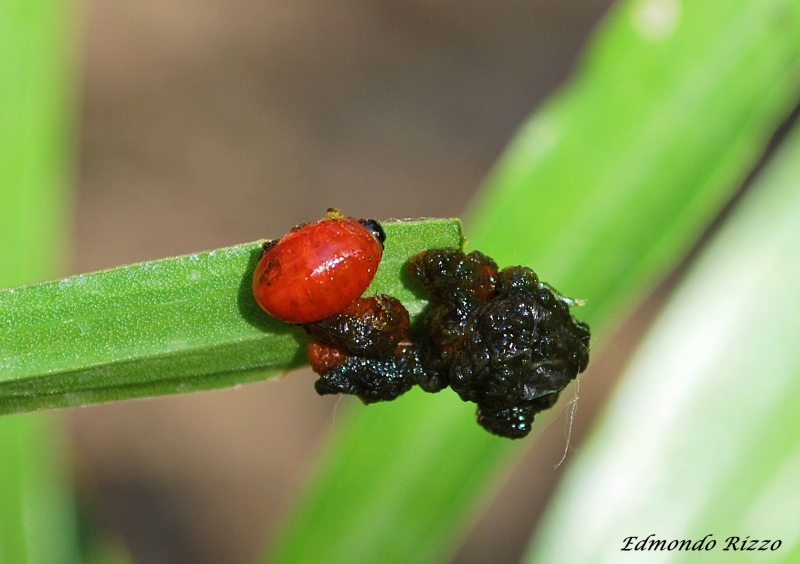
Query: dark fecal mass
(364, 351)
(371, 327)
(371, 379)
(498, 338)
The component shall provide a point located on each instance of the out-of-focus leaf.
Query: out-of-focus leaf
(601, 193)
(168, 326)
(703, 436)
(36, 98)
(37, 520)
(36, 95)
(610, 183)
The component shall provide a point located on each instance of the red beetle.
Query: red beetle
(318, 269)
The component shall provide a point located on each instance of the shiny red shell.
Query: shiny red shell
(316, 270)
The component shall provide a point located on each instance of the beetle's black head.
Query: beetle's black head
(376, 229)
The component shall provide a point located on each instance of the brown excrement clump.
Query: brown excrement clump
(498, 338)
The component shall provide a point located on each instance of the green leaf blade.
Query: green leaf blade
(703, 435)
(620, 174)
(37, 80)
(180, 324)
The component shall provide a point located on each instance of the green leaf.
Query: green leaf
(37, 519)
(36, 113)
(37, 515)
(703, 435)
(601, 193)
(168, 326)
(610, 183)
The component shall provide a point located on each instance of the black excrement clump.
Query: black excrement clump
(498, 338)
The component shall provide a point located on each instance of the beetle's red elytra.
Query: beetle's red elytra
(318, 269)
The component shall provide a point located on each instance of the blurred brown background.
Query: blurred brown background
(210, 123)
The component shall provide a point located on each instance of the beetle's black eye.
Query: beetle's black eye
(376, 229)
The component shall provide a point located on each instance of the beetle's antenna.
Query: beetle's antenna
(335, 407)
(574, 403)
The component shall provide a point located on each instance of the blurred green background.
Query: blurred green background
(157, 129)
